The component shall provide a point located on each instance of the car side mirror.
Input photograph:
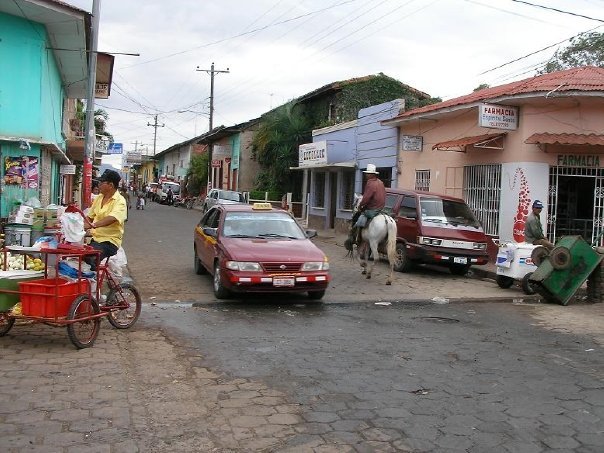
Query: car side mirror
(310, 233)
(212, 232)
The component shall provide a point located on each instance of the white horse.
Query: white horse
(381, 228)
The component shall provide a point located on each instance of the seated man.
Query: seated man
(106, 217)
(533, 230)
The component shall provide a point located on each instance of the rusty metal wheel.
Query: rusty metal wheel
(560, 258)
(538, 255)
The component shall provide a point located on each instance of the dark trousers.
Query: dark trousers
(106, 248)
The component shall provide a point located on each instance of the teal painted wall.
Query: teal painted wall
(235, 145)
(31, 92)
(31, 102)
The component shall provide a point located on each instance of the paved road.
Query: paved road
(287, 375)
(159, 244)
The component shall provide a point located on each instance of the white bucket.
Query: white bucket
(17, 234)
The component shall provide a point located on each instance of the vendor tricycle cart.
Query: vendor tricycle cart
(74, 303)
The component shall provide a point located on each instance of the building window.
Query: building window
(319, 190)
(347, 190)
(181, 164)
(422, 180)
(482, 192)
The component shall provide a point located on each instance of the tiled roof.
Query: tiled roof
(547, 138)
(585, 78)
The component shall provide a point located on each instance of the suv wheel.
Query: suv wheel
(403, 263)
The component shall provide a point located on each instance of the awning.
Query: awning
(488, 141)
(548, 138)
(348, 164)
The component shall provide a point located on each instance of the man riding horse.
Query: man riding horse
(373, 201)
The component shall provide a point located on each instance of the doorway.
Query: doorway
(333, 199)
(576, 202)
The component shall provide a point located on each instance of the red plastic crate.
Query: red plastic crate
(52, 298)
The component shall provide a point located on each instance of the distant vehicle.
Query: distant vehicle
(162, 192)
(435, 229)
(220, 196)
(258, 249)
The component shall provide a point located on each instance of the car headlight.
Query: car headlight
(429, 241)
(243, 266)
(480, 246)
(315, 266)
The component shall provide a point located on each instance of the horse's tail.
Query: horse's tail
(391, 244)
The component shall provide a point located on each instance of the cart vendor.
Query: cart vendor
(533, 230)
(105, 220)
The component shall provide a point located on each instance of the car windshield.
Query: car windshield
(231, 196)
(175, 188)
(261, 224)
(437, 210)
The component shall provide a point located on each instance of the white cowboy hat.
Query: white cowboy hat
(371, 169)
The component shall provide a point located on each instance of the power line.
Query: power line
(558, 10)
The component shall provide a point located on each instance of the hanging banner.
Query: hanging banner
(21, 171)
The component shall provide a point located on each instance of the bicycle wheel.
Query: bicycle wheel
(83, 333)
(127, 302)
(6, 323)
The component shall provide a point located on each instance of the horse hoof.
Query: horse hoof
(389, 283)
(368, 276)
(364, 272)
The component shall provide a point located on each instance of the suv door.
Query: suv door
(406, 219)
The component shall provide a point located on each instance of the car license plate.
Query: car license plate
(289, 281)
(458, 260)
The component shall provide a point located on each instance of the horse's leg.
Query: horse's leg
(373, 244)
(391, 248)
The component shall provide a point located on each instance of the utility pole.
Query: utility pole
(211, 71)
(155, 125)
(89, 127)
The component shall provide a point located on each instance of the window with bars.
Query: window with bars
(319, 190)
(422, 180)
(347, 190)
(482, 192)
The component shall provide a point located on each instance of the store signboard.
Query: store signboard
(312, 154)
(67, 169)
(412, 142)
(134, 157)
(115, 148)
(496, 116)
(579, 160)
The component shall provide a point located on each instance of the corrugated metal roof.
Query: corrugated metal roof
(547, 138)
(465, 141)
(585, 78)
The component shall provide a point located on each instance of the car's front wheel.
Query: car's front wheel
(219, 290)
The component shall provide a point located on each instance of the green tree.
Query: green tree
(100, 120)
(482, 86)
(586, 49)
(275, 146)
(197, 174)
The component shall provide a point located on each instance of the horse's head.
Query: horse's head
(356, 201)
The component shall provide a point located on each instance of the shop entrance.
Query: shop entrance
(576, 202)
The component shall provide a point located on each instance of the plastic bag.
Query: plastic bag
(68, 271)
(117, 262)
(33, 202)
(72, 227)
(46, 242)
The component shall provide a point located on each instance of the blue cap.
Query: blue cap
(537, 204)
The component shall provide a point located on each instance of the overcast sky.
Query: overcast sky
(277, 50)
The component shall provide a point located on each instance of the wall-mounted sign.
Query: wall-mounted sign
(312, 154)
(67, 169)
(412, 142)
(101, 91)
(222, 150)
(498, 116)
(115, 148)
(578, 160)
(216, 163)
